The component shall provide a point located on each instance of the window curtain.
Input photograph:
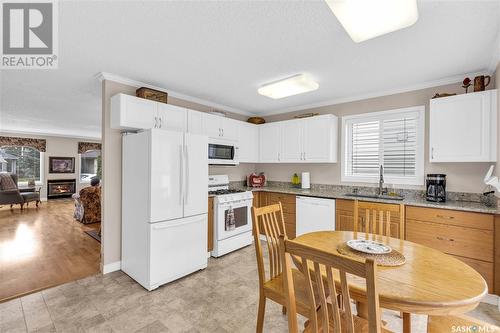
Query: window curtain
(39, 144)
(86, 146)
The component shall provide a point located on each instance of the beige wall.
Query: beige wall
(111, 177)
(235, 173)
(466, 177)
(57, 146)
(112, 163)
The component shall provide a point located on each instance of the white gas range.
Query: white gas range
(232, 217)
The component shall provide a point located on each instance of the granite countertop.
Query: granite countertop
(467, 206)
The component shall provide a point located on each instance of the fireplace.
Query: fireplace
(60, 188)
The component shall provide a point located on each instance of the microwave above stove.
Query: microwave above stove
(222, 153)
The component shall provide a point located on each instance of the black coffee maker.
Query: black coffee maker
(436, 187)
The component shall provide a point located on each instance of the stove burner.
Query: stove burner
(222, 192)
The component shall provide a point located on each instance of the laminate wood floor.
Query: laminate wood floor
(44, 247)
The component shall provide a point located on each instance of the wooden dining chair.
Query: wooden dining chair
(319, 269)
(269, 220)
(440, 324)
(377, 218)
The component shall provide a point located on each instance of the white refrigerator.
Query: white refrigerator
(164, 205)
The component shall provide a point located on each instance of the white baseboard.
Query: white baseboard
(114, 266)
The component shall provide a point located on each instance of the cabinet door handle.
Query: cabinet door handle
(446, 217)
(222, 132)
(278, 156)
(304, 156)
(432, 153)
(160, 122)
(445, 239)
(156, 122)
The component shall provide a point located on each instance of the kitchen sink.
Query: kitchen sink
(375, 196)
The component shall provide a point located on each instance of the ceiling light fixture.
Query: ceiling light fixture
(366, 19)
(294, 85)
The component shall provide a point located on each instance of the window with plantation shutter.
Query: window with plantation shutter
(394, 139)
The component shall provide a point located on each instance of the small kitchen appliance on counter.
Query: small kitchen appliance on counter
(306, 180)
(254, 180)
(436, 187)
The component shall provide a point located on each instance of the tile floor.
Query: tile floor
(222, 298)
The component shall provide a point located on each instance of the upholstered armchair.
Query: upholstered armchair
(10, 193)
(90, 198)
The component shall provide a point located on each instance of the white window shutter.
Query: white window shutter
(392, 138)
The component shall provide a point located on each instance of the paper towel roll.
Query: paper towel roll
(306, 180)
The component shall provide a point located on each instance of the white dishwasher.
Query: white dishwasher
(314, 214)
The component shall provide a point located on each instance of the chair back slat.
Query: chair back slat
(346, 297)
(268, 219)
(319, 269)
(322, 296)
(310, 295)
(336, 307)
(377, 218)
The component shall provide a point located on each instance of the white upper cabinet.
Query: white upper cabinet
(195, 122)
(229, 128)
(212, 125)
(134, 113)
(320, 139)
(270, 142)
(220, 127)
(309, 140)
(291, 138)
(463, 128)
(248, 142)
(172, 117)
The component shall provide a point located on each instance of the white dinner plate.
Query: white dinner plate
(369, 246)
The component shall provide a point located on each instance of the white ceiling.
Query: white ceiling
(222, 51)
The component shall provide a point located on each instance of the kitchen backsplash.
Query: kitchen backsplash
(407, 193)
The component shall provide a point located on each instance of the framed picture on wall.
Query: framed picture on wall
(61, 164)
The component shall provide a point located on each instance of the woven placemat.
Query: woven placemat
(394, 258)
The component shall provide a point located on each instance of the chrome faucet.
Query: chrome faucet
(381, 190)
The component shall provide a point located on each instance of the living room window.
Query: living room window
(90, 165)
(393, 139)
(26, 162)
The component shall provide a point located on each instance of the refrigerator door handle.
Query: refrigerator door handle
(181, 161)
(186, 185)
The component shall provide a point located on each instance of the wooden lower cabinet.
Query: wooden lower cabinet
(210, 246)
(288, 206)
(344, 215)
(464, 235)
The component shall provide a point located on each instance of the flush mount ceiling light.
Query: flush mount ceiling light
(366, 19)
(294, 85)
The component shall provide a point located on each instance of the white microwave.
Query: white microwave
(222, 153)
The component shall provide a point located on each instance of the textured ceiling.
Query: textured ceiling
(222, 51)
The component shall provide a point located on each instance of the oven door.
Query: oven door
(222, 153)
(233, 218)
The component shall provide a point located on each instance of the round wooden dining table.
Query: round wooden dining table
(429, 282)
